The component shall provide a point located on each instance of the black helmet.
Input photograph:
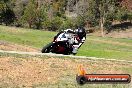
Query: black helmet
(80, 31)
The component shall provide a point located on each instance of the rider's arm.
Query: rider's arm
(81, 42)
(83, 39)
(58, 34)
(69, 31)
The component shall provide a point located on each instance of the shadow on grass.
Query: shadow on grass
(121, 26)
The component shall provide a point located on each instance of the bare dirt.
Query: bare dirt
(27, 72)
(4, 45)
(116, 34)
(121, 34)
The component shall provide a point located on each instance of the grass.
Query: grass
(72, 84)
(67, 74)
(94, 46)
(29, 37)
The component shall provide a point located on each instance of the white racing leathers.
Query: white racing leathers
(76, 46)
(71, 38)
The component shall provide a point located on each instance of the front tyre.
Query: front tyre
(47, 48)
(74, 53)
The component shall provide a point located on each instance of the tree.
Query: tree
(19, 11)
(30, 13)
(100, 11)
(121, 14)
(56, 23)
(67, 23)
(7, 15)
(59, 7)
(130, 16)
(105, 7)
(2, 7)
(41, 16)
(35, 13)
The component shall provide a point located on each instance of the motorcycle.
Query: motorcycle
(62, 43)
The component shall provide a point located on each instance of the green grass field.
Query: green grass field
(111, 48)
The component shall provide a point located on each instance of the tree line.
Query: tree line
(51, 14)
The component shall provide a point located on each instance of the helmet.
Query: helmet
(80, 31)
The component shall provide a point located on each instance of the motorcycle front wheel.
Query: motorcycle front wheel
(47, 48)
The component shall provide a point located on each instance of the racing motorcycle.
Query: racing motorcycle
(62, 43)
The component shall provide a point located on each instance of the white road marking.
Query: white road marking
(61, 55)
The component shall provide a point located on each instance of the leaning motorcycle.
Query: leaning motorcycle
(63, 43)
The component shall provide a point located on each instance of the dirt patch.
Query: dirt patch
(116, 34)
(26, 72)
(121, 34)
(14, 47)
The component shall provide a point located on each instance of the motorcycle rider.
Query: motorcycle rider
(66, 42)
(81, 33)
(81, 37)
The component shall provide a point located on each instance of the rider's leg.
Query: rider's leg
(75, 49)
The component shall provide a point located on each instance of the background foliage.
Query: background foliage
(52, 14)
